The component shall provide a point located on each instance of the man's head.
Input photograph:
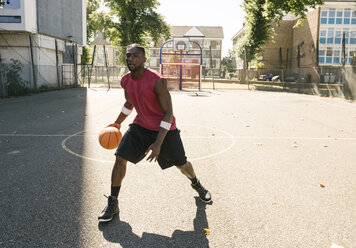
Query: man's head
(135, 57)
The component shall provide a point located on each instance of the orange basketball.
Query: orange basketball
(110, 137)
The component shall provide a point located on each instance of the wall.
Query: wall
(62, 19)
(283, 38)
(26, 9)
(307, 35)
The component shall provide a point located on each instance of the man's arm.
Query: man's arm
(128, 106)
(165, 101)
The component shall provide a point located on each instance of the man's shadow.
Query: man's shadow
(118, 231)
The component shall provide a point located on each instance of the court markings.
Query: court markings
(227, 135)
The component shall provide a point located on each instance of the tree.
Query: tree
(131, 20)
(259, 16)
(227, 65)
(95, 19)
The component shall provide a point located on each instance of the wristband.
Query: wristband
(165, 125)
(126, 111)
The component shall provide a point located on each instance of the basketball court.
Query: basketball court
(280, 167)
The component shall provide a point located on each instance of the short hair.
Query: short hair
(139, 46)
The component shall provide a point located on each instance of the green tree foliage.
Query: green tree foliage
(258, 28)
(95, 19)
(260, 14)
(85, 58)
(227, 65)
(276, 9)
(131, 20)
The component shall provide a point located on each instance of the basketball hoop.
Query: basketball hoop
(180, 67)
(181, 44)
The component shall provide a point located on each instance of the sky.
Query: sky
(225, 13)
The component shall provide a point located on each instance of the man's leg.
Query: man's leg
(188, 170)
(117, 175)
(118, 172)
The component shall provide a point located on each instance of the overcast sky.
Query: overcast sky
(225, 13)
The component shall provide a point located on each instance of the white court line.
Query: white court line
(33, 135)
(79, 155)
(192, 137)
(228, 136)
(193, 159)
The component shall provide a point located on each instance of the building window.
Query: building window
(346, 31)
(353, 37)
(329, 52)
(13, 4)
(339, 16)
(353, 19)
(321, 56)
(338, 37)
(331, 16)
(329, 55)
(347, 13)
(336, 56)
(324, 15)
(10, 19)
(330, 35)
(322, 36)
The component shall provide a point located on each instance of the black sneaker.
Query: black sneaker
(204, 194)
(110, 210)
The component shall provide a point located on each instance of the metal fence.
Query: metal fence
(98, 76)
(299, 70)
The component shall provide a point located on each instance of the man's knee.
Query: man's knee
(184, 167)
(120, 162)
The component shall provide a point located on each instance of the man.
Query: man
(153, 129)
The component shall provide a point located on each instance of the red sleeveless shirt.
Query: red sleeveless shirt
(141, 94)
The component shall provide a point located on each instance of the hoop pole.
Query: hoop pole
(160, 50)
(201, 51)
(200, 72)
(181, 70)
(181, 63)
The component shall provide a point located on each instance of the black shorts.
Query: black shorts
(137, 139)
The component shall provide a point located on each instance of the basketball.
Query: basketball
(110, 137)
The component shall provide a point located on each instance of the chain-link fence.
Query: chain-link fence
(101, 76)
(299, 70)
(36, 62)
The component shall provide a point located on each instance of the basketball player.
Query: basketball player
(152, 131)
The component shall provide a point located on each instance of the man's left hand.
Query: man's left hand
(155, 149)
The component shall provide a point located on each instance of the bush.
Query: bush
(85, 58)
(16, 86)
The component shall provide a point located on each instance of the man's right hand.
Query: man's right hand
(117, 125)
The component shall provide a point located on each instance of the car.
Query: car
(293, 77)
(265, 77)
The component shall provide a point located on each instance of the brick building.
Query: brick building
(319, 40)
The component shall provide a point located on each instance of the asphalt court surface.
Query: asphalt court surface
(281, 169)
